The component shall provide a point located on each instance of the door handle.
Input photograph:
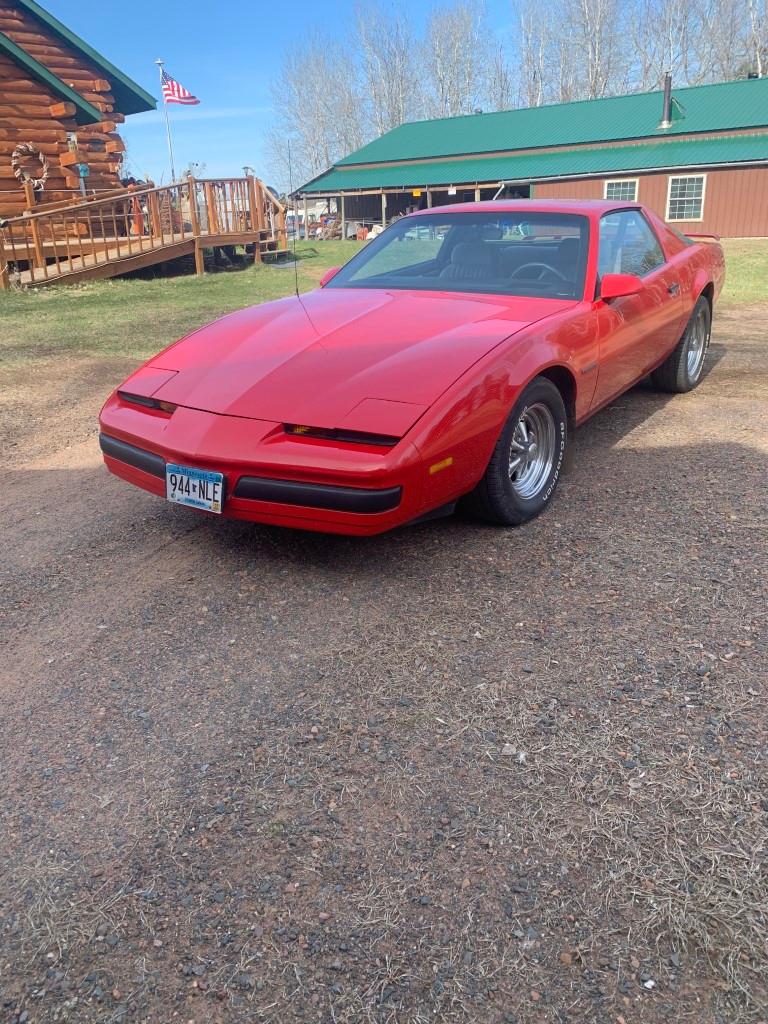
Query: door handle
(673, 289)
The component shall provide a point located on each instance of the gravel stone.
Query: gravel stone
(281, 867)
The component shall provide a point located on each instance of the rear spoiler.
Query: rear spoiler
(707, 236)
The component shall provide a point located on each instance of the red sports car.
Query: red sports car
(452, 357)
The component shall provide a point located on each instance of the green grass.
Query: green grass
(133, 317)
(746, 271)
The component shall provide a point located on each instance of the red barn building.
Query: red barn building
(698, 156)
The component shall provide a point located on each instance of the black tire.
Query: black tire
(684, 368)
(507, 496)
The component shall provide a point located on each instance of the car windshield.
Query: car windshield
(541, 255)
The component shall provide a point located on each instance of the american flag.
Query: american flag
(174, 92)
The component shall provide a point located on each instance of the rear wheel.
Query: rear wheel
(683, 369)
(526, 463)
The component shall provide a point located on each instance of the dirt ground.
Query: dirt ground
(451, 774)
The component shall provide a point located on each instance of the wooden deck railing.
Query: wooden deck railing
(137, 227)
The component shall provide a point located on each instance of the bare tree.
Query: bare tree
(564, 72)
(567, 50)
(757, 39)
(344, 107)
(389, 61)
(661, 33)
(533, 46)
(499, 82)
(717, 47)
(321, 111)
(455, 59)
(595, 40)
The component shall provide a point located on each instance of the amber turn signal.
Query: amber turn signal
(443, 464)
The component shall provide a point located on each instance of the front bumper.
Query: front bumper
(270, 477)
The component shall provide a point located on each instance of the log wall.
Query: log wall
(29, 112)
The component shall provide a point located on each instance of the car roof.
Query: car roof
(582, 206)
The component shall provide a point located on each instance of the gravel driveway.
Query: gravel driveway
(452, 774)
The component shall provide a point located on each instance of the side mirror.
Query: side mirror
(331, 273)
(616, 286)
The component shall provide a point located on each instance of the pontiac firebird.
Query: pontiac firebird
(451, 358)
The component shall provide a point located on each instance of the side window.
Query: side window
(627, 245)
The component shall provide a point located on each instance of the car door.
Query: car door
(635, 331)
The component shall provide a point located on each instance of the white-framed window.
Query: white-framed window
(685, 197)
(622, 190)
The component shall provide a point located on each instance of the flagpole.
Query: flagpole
(167, 120)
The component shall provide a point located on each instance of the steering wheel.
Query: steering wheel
(540, 267)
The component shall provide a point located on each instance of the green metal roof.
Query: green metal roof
(84, 112)
(130, 98)
(702, 108)
(561, 163)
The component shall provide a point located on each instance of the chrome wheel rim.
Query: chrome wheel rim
(532, 450)
(697, 344)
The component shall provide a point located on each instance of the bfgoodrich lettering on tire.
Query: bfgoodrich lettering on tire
(527, 461)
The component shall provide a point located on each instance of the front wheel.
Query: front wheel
(683, 369)
(526, 463)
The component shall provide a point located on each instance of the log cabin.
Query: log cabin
(64, 214)
(60, 104)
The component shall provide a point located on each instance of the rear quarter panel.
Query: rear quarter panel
(698, 265)
(709, 260)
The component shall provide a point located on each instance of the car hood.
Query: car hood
(366, 360)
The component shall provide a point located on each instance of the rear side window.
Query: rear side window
(627, 245)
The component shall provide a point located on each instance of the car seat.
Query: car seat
(470, 261)
(567, 258)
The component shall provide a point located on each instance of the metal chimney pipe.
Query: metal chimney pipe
(666, 114)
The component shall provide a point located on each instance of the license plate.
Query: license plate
(198, 488)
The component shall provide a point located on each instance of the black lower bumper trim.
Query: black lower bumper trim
(337, 499)
(148, 462)
(255, 488)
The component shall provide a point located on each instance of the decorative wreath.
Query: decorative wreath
(29, 149)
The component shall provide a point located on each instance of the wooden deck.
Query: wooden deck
(137, 228)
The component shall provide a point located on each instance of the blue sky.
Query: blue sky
(227, 54)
